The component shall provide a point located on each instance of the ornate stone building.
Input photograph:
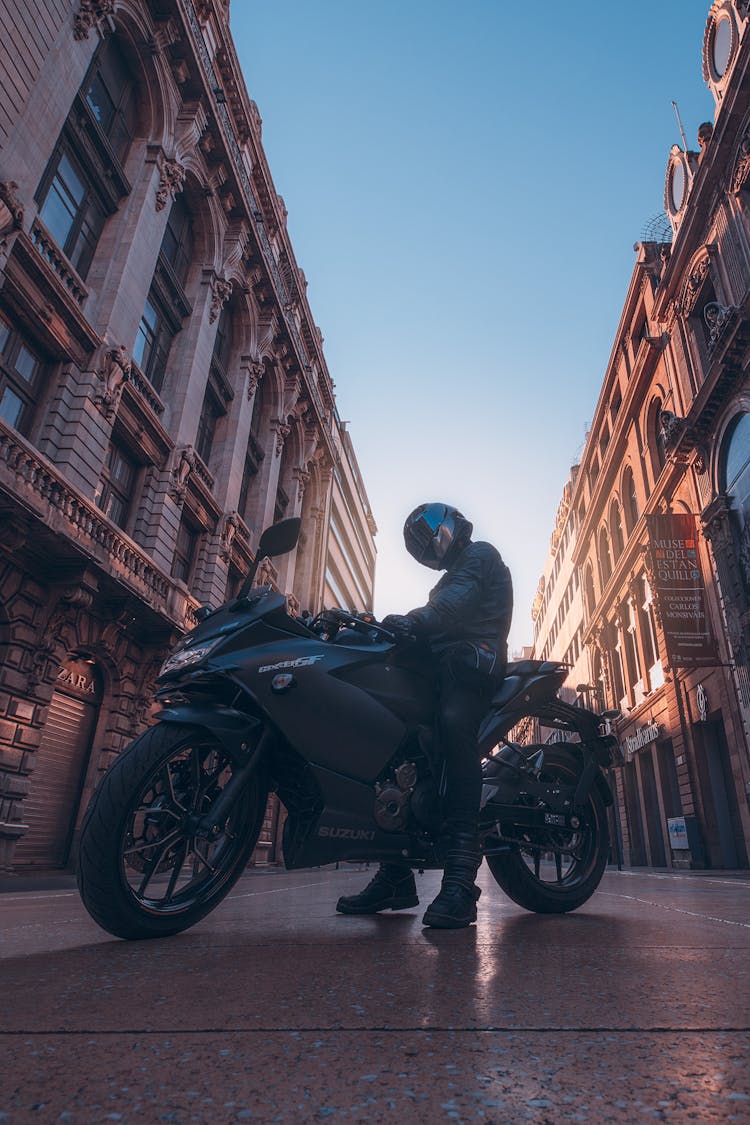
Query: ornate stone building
(670, 447)
(164, 394)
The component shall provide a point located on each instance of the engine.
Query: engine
(393, 796)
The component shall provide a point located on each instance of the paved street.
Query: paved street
(634, 1009)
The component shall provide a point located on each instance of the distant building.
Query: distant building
(557, 611)
(164, 395)
(661, 500)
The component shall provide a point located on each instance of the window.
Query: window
(114, 494)
(210, 414)
(223, 342)
(184, 552)
(177, 242)
(110, 97)
(166, 304)
(605, 558)
(153, 342)
(20, 379)
(630, 500)
(615, 526)
(249, 473)
(736, 482)
(83, 182)
(73, 212)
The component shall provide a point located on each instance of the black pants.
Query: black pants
(463, 703)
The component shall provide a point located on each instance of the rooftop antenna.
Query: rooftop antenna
(679, 125)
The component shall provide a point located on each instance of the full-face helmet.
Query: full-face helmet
(435, 533)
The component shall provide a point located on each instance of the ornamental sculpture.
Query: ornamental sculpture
(171, 182)
(221, 292)
(89, 14)
(114, 374)
(716, 317)
(184, 466)
(11, 205)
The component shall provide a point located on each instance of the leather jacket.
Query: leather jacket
(473, 601)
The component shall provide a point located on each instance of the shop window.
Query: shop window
(114, 494)
(21, 371)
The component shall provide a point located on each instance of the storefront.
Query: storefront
(51, 808)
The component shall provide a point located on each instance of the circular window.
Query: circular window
(677, 186)
(737, 456)
(721, 46)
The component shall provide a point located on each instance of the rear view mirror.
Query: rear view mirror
(279, 538)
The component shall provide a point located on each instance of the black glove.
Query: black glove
(400, 624)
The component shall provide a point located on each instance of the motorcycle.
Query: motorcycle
(334, 714)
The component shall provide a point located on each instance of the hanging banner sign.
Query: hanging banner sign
(680, 591)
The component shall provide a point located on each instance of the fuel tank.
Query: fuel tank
(345, 708)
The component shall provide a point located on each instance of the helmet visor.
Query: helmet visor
(424, 530)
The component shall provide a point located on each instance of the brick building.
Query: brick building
(164, 394)
(670, 442)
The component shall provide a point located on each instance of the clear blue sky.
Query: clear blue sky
(465, 183)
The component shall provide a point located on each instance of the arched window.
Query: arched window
(615, 526)
(590, 592)
(736, 483)
(84, 181)
(655, 438)
(629, 499)
(605, 557)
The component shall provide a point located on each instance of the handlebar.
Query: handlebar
(361, 622)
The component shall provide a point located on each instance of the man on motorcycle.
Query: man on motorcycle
(465, 623)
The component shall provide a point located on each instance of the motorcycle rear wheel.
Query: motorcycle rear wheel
(142, 870)
(565, 881)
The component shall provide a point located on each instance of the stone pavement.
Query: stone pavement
(636, 1008)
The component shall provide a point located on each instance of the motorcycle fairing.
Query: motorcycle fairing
(323, 712)
(343, 830)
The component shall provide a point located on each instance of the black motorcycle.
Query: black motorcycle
(336, 716)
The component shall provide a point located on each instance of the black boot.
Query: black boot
(391, 888)
(456, 905)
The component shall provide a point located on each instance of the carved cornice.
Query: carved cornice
(697, 273)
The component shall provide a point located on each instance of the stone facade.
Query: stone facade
(671, 436)
(164, 394)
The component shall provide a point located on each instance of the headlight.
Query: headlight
(187, 656)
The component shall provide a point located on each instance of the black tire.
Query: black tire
(520, 871)
(137, 835)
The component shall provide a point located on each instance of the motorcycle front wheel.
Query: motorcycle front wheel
(554, 870)
(143, 870)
